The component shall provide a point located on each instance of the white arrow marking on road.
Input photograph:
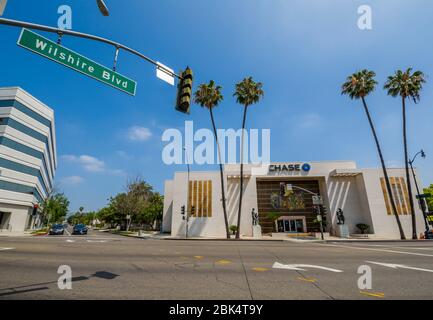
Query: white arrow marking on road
(398, 266)
(4, 249)
(99, 241)
(299, 267)
(70, 240)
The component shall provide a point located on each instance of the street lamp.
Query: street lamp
(103, 8)
(419, 196)
(188, 205)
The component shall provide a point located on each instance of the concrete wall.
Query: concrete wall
(18, 218)
(168, 206)
(385, 225)
(346, 193)
(198, 226)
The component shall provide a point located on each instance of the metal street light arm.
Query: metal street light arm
(28, 25)
(308, 191)
(419, 152)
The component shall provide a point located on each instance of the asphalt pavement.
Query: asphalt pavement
(107, 266)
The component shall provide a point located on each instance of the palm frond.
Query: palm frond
(360, 84)
(208, 95)
(406, 84)
(248, 92)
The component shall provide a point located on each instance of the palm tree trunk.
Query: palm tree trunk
(226, 221)
(241, 185)
(385, 172)
(406, 166)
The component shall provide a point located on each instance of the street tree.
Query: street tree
(247, 93)
(358, 86)
(209, 96)
(406, 84)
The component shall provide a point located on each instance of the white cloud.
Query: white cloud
(72, 180)
(309, 121)
(89, 163)
(137, 133)
(124, 155)
(92, 164)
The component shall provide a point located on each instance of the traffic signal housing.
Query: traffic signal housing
(182, 212)
(184, 93)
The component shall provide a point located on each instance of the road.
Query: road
(106, 266)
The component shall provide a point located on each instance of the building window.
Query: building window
(200, 197)
(400, 194)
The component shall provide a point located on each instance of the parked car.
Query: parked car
(79, 229)
(57, 229)
(429, 235)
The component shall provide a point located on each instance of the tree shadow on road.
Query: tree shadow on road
(43, 286)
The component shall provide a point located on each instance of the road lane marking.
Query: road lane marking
(198, 257)
(399, 266)
(258, 269)
(71, 241)
(96, 241)
(311, 280)
(6, 249)
(223, 262)
(400, 247)
(373, 294)
(300, 267)
(380, 250)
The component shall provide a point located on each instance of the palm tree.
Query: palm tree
(209, 96)
(406, 85)
(248, 92)
(358, 86)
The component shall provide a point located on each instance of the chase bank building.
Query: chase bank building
(284, 196)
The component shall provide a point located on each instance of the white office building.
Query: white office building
(27, 158)
(282, 195)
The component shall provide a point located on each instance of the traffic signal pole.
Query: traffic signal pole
(60, 33)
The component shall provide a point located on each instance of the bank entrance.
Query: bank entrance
(283, 208)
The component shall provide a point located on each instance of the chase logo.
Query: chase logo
(306, 167)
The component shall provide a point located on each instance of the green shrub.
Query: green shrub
(363, 227)
(233, 229)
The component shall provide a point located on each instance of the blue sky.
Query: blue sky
(301, 50)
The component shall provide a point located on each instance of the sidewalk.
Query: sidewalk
(15, 234)
(301, 239)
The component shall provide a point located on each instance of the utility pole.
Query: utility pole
(188, 205)
(420, 196)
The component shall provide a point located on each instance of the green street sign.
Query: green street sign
(53, 51)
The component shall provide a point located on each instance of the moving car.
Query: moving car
(79, 229)
(57, 229)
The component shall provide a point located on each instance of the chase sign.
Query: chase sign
(290, 167)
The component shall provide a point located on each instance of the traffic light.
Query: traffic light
(182, 212)
(184, 94)
(282, 189)
(35, 209)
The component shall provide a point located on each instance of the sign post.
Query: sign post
(57, 53)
